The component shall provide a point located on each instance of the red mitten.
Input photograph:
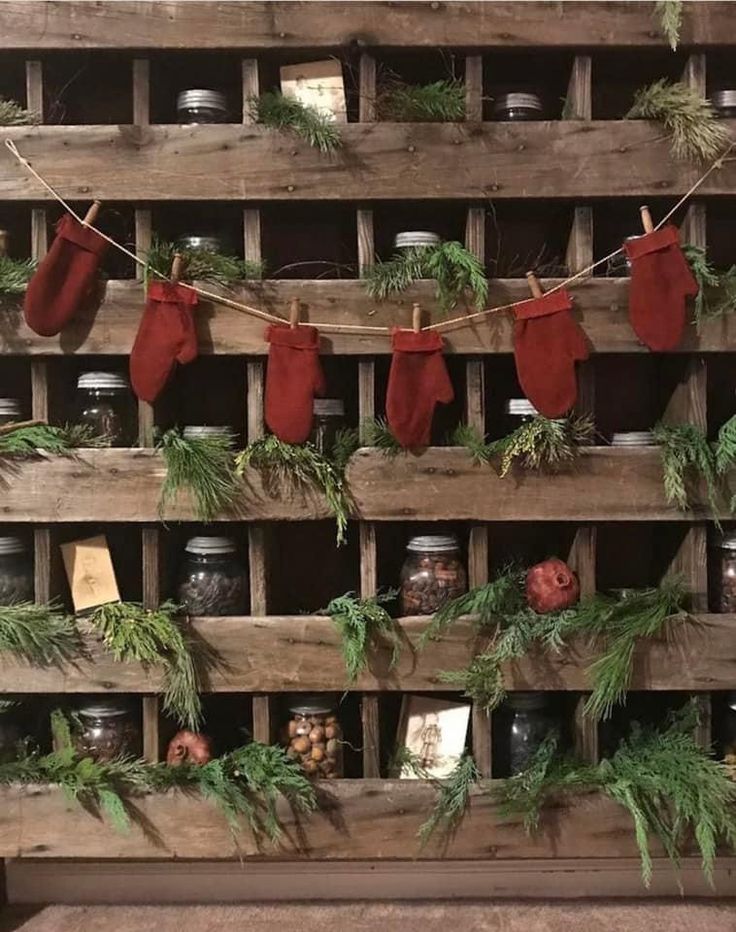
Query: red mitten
(293, 377)
(547, 344)
(417, 381)
(661, 279)
(65, 277)
(166, 335)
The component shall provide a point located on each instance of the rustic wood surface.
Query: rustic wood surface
(378, 161)
(110, 327)
(172, 25)
(302, 652)
(360, 819)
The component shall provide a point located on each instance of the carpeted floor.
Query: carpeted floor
(644, 916)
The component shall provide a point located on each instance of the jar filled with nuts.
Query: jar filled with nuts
(107, 731)
(213, 581)
(723, 572)
(16, 572)
(313, 736)
(432, 574)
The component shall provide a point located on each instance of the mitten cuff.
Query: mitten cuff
(652, 242)
(171, 293)
(301, 337)
(70, 229)
(551, 303)
(406, 341)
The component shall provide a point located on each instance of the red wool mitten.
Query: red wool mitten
(64, 279)
(661, 279)
(293, 377)
(547, 344)
(166, 335)
(418, 380)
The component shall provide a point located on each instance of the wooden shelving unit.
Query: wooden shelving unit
(145, 166)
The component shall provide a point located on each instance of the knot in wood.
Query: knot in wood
(289, 187)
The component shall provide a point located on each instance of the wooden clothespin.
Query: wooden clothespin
(534, 286)
(91, 214)
(646, 219)
(416, 318)
(176, 267)
(4, 239)
(294, 313)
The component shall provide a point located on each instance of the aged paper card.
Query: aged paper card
(90, 572)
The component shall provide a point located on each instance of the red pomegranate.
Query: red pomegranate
(188, 747)
(550, 586)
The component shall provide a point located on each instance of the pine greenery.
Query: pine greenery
(687, 458)
(449, 264)
(669, 13)
(697, 133)
(28, 440)
(12, 114)
(40, 635)
(278, 111)
(438, 102)
(205, 466)
(15, 274)
(202, 265)
(716, 290)
(364, 625)
(726, 447)
(453, 801)
(376, 433)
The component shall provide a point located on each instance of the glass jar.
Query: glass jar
(203, 242)
(531, 721)
(105, 404)
(107, 730)
(723, 573)
(432, 574)
(9, 411)
(724, 103)
(16, 572)
(518, 411)
(517, 108)
(207, 431)
(10, 732)
(329, 418)
(313, 736)
(728, 733)
(199, 105)
(416, 238)
(633, 438)
(212, 581)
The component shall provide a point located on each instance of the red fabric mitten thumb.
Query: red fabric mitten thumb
(166, 335)
(417, 381)
(293, 377)
(547, 344)
(64, 278)
(661, 279)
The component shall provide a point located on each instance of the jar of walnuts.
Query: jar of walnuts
(313, 736)
(432, 574)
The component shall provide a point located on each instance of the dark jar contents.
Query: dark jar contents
(16, 571)
(199, 105)
(329, 419)
(531, 721)
(9, 411)
(517, 108)
(724, 103)
(212, 580)
(728, 733)
(105, 404)
(723, 573)
(203, 242)
(10, 733)
(432, 574)
(107, 730)
(314, 737)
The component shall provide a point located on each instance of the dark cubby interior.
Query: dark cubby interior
(92, 87)
(526, 543)
(649, 709)
(227, 720)
(561, 709)
(13, 78)
(721, 392)
(720, 70)
(223, 220)
(541, 72)
(173, 72)
(524, 235)
(724, 722)
(719, 232)
(126, 551)
(501, 383)
(445, 218)
(614, 221)
(619, 73)
(309, 240)
(15, 219)
(270, 63)
(64, 398)
(15, 382)
(633, 554)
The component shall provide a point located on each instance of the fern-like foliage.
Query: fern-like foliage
(716, 290)
(15, 274)
(41, 635)
(465, 435)
(204, 466)
(287, 114)
(687, 458)
(669, 14)
(28, 440)
(364, 625)
(376, 433)
(697, 133)
(12, 114)
(453, 801)
(202, 265)
(438, 102)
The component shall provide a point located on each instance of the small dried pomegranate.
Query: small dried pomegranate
(550, 586)
(188, 747)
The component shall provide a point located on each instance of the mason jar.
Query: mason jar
(16, 571)
(329, 419)
(432, 574)
(313, 736)
(723, 573)
(199, 105)
(10, 411)
(212, 579)
(724, 103)
(107, 731)
(517, 108)
(531, 720)
(208, 431)
(633, 438)
(203, 242)
(518, 411)
(10, 732)
(105, 404)
(416, 238)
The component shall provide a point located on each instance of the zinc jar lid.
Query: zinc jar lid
(12, 545)
(731, 700)
(102, 380)
(516, 100)
(334, 407)
(311, 705)
(104, 709)
(521, 407)
(10, 407)
(203, 431)
(633, 438)
(523, 702)
(197, 97)
(432, 543)
(723, 98)
(205, 242)
(205, 544)
(726, 541)
(416, 238)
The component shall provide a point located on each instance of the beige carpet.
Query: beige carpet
(651, 916)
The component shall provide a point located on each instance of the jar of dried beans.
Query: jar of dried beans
(107, 730)
(313, 736)
(432, 574)
(9, 411)
(723, 573)
(329, 418)
(105, 404)
(212, 580)
(16, 571)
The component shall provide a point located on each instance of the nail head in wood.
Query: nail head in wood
(534, 286)
(646, 219)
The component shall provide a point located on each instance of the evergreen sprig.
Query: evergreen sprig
(696, 132)
(27, 440)
(726, 452)
(376, 433)
(669, 14)
(199, 264)
(716, 290)
(537, 444)
(155, 637)
(438, 102)
(278, 111)
(205, 466)
(40, 635)
(364, 625)
(12, 114)
(15, 274)
(450, 264)
(687, 457)
(453, 801)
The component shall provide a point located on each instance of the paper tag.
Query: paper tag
(90, 572)
(317, 84)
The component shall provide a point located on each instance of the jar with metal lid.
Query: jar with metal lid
(212, 579)
(16, 571)
(723, 573)
(517, 107)
(518, 411)
(209, 431)
(10, 411)
(530, 722)
(728, 733)
(10, 732)
(633, 438)
(313, 736)
(412, 239)
(200, 105)
(724, 102)
(105, 404)
(202, 242)
(107, 730)
(432, 574)
(329, 418)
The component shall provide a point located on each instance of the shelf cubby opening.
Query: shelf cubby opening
(527, 235)
(173, 72)
(543, 72)
(312, 240)
(88, 88)
(271, 61)
(619, 73)
(636, 555)
(649, 709)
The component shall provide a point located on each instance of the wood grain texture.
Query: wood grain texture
(85, 24)
(378, 161)
(302, 653)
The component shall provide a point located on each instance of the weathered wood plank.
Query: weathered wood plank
(302, 653)
(257, 25)
(378, 161)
